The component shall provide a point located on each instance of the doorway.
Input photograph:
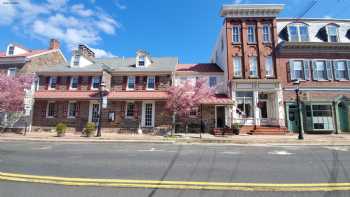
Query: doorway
(293, 118)
(220, 116)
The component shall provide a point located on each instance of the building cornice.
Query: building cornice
(251, 10)
(13, 60)
(313, 47)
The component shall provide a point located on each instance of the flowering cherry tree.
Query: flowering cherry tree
(12, 92)
(185, 97)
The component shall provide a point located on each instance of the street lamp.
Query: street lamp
(101, 93)
(297, 91)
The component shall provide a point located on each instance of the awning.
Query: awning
(65, 95)
(218, 99)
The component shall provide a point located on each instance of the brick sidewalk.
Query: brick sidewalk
(341, 139)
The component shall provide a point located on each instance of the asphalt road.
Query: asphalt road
(209, 163)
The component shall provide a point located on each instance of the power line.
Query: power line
(312, 4)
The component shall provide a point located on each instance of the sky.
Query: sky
(186, 29)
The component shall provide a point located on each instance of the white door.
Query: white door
(94, 112)
(148, 114)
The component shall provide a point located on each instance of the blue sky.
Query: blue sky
(184, 28)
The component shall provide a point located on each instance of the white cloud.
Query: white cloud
(81, 10)
(237, 1)
(71, 24)
(119, 5)
(100, 53)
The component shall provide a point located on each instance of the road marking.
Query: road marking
(43, 148)
(338, 148)
(231, 153)
(281, 152)
(175, 184)
(150, 150)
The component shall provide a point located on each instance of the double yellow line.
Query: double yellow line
(187, 185)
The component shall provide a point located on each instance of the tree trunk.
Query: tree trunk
(174, 124)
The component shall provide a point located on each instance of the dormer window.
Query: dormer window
(141, 61)
(332, 33)
(11, 50)
(298, 32)
(76, 59)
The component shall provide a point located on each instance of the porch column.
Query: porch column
(234, 108)
(256, 109)
(280, 109)
(337, 119)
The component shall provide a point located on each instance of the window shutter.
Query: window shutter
(156, 82)
(137, 79)
(79, 83)
(58, 82)
(90, 81)
(291, 70)
(335, 70)
(56, 110)
(122, 109)
(144, 83)
(65, 109)
(47, 82)
(284, 34)
(314, 71)
(43, 109)
(136, 111)
(68, 82)
(348, 69)
(125, 81)
(329, 70)
(306, 66)
(78, 109)
(322, 34)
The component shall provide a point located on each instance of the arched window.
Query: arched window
(298, 32)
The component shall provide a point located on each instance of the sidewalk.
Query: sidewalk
(341, 139)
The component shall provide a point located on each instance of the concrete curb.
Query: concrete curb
(181, 141)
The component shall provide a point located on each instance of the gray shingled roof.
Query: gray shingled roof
(117, 64)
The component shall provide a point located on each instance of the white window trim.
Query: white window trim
(298, 25)
(126, 110)
(324, 69)
(92, 82)
(337, 32)
(334, 62)
(269, 33)
(68, 110)
(12, 68)
(256, 67)
(272, 66)
(139, 60)
(239, 34)
(234, 66)
(71, 83)
(50, 83)
(47, 109)
(148, 77)
(254, 34)
(216, 81)
(127, 83)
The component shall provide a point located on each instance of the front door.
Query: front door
(220, 116)
(293, 118)
(94, 112)
(263, 109)
(148, 114)
(343, 117)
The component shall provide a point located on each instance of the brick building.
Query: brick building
(137, 92)
(246, 52)
(316, 52)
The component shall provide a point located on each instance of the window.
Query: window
(253, 66)
(141, 61)
(266, 33)
(96, 80)
(222, 44)
(73, 83)
(212, 82)
(11, 50)
(340, 70)
(150, 83)
(321, 70)
(332, 32)
(11, 72)
(236, 34)
(298, 71)
(72, 109)
(76, 59)
(244, 104)
(131, 83)
(269, 66)
(50, 110)
(251, 34)
(321, 116)
(237, 66)
(298, 32)
(193, 112)
(130, 109)
(52, 83)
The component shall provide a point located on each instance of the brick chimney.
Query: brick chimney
(54, 44)
(86, 52)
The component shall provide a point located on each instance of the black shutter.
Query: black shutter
(284, 34)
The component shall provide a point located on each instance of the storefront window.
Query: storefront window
(321, 116)
(244, 104)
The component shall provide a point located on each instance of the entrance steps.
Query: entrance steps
(268, 130)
